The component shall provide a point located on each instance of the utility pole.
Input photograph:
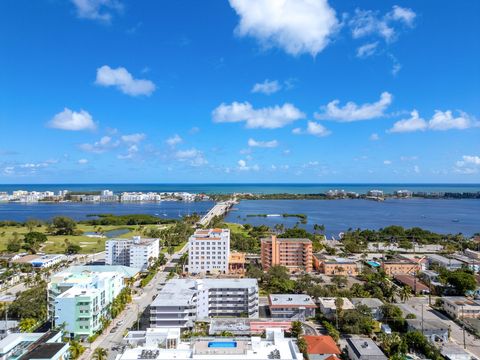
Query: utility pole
(463, 327)
(422, 321)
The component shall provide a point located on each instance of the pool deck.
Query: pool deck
(201, 348)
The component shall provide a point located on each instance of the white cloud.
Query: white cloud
(267, 87)
(387, 162)
(469, 160)
(124, 81)
(374, 137)
(267, 118)
(296, 26)
(405, 15)
(194, 130)
(396, 66)
(131, 152)
(174, 140)
(444, 120)
(243, 166)
(367, 50)
(133, 138)
(82, 161)
(193, 156)
(470, 164)
(413, 123)
(100, 146)
(441, 121)
(416, 169)
(370, 23)
(353, 112)
(313, 128)
(263, 144)
(367, 22)
(72, 120)
(97, 9)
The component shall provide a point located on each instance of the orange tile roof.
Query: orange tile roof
(321, 344)
(332, 357)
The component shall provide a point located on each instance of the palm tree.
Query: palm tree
(338, 306)
(100, 354)
(76, 349)
(405, 293)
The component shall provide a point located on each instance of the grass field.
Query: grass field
(56, 244)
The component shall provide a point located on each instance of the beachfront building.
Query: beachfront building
(135, 252)
(294, 254)
(209, 251)
(183, 301)
(273, 346)
(291, 306)
(79, 298)
(34, 346)
(459, 307)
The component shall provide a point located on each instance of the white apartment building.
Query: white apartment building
(168, 345)
(183, 301)
(209, 251)
(458, 307)
(135, 252)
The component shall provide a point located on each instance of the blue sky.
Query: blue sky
(239, 91)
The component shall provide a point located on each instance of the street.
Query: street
(414, 306)
(129, 316)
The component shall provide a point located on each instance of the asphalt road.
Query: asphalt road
(414, 306)
(128, 318)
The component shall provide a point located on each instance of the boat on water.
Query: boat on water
(455, 220)
(273, 215)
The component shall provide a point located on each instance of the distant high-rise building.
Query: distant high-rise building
(209, 251)
(294, 254)
(135, 252)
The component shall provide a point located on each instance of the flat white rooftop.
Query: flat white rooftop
(179, 292)
(289, 300)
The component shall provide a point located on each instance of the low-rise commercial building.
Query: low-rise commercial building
(447, 263)
(434, 330)
(459, 307)
(34, 346)
(294, 254)
(182, 301)
(399, 267)
(335, 266)
(291, 306)
(273, 346)
(209, 251)
(374, 304)
(329, 308)
(360, 348)
(136, 252)
(236, 263)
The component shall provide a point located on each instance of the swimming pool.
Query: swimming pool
(222, 344)
(373, 263)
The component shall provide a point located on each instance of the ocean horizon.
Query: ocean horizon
(258, 188)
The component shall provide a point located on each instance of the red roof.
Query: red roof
(332, 357)
(321, 344)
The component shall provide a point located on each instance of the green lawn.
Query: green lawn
(237, 228)
(56, 244)
(177, 248)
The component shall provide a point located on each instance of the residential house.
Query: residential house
(321, 347)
